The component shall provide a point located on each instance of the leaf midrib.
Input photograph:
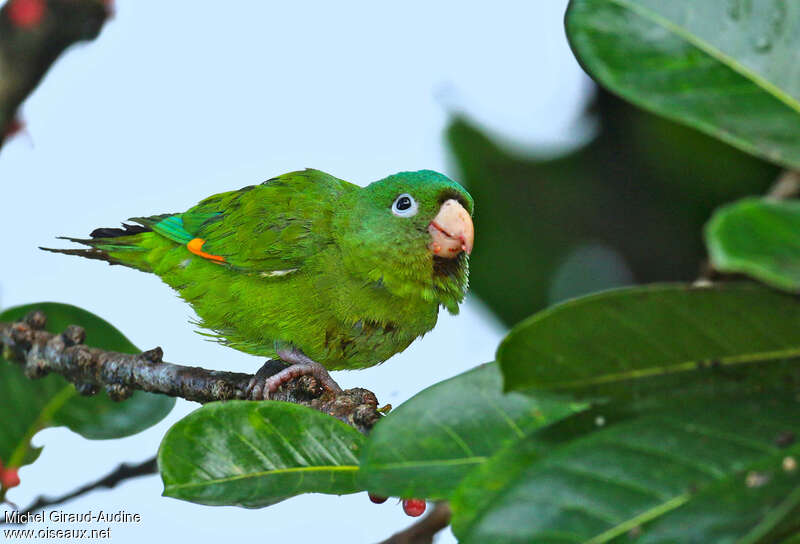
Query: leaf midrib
(328, 468)
(673, 369)
(641, 519)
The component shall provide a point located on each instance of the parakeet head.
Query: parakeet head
(415, 234)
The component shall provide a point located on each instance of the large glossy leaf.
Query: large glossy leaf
(255, 454)
(712, 469)
(758, 237)
(425, 446)
(639, 333)
(28, 406)
(725, 67)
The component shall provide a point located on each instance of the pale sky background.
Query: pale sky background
(179, 100)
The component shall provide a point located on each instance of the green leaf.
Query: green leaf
(617, 337)
(425, 446)
(255, 454)
(758, 237)
(725, 67)
(28, 405)
(711, 469)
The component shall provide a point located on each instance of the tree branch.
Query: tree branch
(423, 531)
(33, 33)
(123, 472)
(88, 368)
(786, 186)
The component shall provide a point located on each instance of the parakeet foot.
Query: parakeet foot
(267, 380)
(256, 387)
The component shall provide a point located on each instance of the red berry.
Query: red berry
(26, 13)
(9, 478)
(377, 499)
(414, 507)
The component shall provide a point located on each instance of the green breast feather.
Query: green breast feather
(348, 275)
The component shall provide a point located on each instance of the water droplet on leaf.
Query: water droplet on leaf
(763, 44)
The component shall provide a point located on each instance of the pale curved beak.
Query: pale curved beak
(451, 230)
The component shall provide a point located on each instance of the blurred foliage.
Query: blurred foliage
(684, 441)
(643, 187)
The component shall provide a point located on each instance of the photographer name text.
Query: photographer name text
(60, 516)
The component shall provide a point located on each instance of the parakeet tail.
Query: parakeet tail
(129, 246)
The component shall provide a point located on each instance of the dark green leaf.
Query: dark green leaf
(31, 405)
(624, 335)
(625, 478)
(725, 67)
(425, 446)
(258, 453)
(758, 237)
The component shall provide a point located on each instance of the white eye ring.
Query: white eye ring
(404, 206)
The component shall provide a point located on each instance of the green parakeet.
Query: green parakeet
(310, 268)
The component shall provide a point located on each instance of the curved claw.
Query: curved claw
(267, 381)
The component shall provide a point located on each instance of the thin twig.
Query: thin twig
(89, 368)
(122, 473)
(423, 531)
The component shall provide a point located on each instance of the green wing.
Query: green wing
(269, 229)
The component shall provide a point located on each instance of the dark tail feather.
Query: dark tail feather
(127, 230)
(112, 245)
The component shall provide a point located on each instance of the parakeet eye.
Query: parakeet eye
(404, 206)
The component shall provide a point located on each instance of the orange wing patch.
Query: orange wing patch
(196, 247)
